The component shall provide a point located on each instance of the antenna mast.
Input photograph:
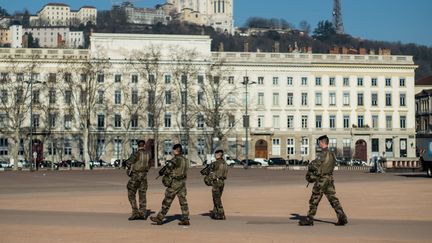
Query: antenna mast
(337, 17)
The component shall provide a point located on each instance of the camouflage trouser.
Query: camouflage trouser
(324, 185)
(177, 188)
(217, 191)
(137, 182)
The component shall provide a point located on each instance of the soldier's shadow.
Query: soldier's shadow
(171, 218)
(206, 215)
(298, 217)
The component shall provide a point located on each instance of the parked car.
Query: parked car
(21, 164)
(277, 161)
(249, 162)
(71, 163)
(262, 161)
(4, 164)
(342, 162)
(47, 164)
(99, 163)
(358, 162)
(295, 162)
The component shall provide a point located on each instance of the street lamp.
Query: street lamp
(30, 83)
(246, 120)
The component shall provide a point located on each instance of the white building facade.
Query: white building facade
(16, 36)
(217, 13)
(364, 103)
(60, 14)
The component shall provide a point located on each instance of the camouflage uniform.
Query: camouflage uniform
(218, 174)
(324, 184)
(177, 188)
(138, 167)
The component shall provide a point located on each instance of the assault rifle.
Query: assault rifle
(206, 170)
(164, 169)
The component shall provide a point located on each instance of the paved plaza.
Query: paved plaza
(261, 206)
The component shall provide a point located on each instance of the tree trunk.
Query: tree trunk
(15, 149)
(86, 148)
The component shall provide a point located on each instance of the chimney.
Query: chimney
(246, 46)
(276, 47)
(221, 47)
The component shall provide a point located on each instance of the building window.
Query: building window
(36, 120)
(304, 81)
(261, 80)
(117, 121)
(200, 121)
(117, 78)
(117, 97)
(276, 146)
(375, 121)
(359, 81)
(183, 97)
(52, 118)
(150, 120)
(332, 97)
(101, 121)
(231, 120)
(151, 79)
(290, 146)
(4, 96)
(403, 122)
(346, 121)
(290, 99)
(118, 147)
(167, 146)
(388, 82)
(201, 146)
(290, 122)
(304, 99)
(261, 98)
(360, 121)
(183, 79)
(52, 96)
(200, 97)
(374, 82)
(374, 100)
(231, 80)
(36, 95)
(332, 81)
(275, 80)
(332, 121)
(289, 81)
(100, 97)
(67, 121)
(4, 146)
(318, 99)
(167, 120)
(134, 97)
(402, 82)
(67, 147)
(168, 97)
(275, 99)
(389, 122)
(151, 97)
(346, 98)
(388, 99)
(318, 121)
(304, 146)
(333, 144)
(134, 78)
(134, 121)
(260, 122)
(360, 99)
(276, 122)
(402, 100)
(318, 81)
(168, 79)
(346, 82)
(100, 78)
(304, 121)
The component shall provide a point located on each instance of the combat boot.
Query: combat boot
(157, 220)
(342, 220)
(143, 215)
(184, 222)
(306, 221)
(135, 216)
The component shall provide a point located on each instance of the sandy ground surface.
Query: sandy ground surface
(261, 206)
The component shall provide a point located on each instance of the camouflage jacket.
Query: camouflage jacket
(138, 161)
(219, 168)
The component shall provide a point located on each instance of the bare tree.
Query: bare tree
(87, 92)
(13, 110)
(149, 66)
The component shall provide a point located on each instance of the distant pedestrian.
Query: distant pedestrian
(137, 168)
(320, 172)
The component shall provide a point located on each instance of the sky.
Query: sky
(407, 21)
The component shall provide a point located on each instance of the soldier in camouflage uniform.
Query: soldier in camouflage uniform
(175, 181)
(138, 167)
(323, 167)
(218, 174)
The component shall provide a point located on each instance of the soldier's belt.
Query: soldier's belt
(179, 177)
